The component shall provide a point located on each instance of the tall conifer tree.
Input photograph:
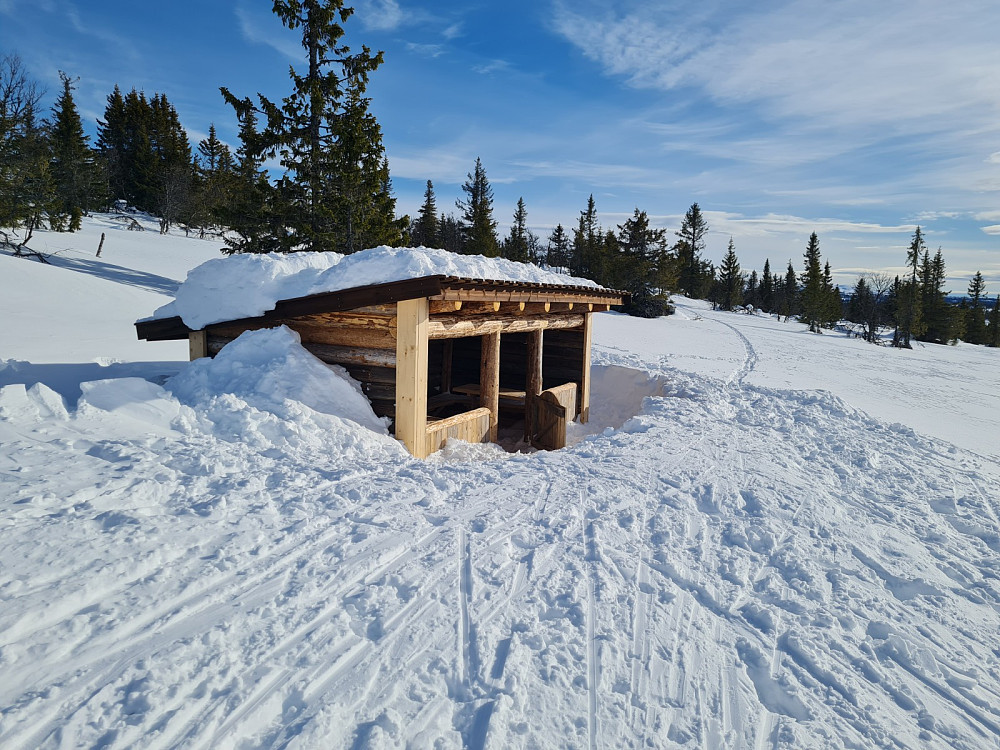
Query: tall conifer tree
(477, 214)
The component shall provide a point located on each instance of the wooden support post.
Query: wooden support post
(411, 375)
(584, 392)
(533, 381)
(489, 380)
(198, 344)
(447, 355)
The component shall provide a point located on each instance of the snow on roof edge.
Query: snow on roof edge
(247, 286)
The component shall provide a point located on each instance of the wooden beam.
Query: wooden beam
(583, 394)
(533, 380)
(453, 327)
(198, 344)
(445, 306)
(489, 380)
(333, 355)
(411, 375)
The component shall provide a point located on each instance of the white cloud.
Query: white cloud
(897, 63)
(453, 31)
(379, 15)
(254, 30)
(987, 216)
(426, 50)
(993, 229)
(494, 66)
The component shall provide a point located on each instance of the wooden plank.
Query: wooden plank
(583, 404)
(471, 426)
(198, 344)
(411, 375)
(444, 327)
(553, 411)
(489, 379)
(533, 379)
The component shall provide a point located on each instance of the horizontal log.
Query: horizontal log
(367, 374)
(443, 327)
(379, 391)
(333, 355)
(378, 321)
(349, 336)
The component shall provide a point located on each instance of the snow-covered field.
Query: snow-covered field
(764, 538)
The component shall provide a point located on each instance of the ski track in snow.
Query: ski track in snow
(736, 566)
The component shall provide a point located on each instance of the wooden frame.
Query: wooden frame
(381, 334)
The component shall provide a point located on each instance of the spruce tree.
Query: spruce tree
(425, 228)
(587, 243)
(766, 291)
(975, 317)
(249, 214)
(632, 259)
(689, 247)
(74, 174)
(557, 251)
(813, 299)
(214, 177)
(752, 294)
(909, 314)
(477, 214)
(730, 280)
(790, 293)
(517, 244)
(335, 190)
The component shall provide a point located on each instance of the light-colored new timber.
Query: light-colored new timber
(471, 426)
(411, 374)
(198, 344)
(489, 380)
(453, 327)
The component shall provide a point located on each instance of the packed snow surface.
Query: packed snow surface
(244, 286)
(764, 538)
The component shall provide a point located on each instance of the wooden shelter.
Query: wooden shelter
(443, 356)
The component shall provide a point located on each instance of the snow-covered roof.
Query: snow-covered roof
(275, 285)
(246, 286)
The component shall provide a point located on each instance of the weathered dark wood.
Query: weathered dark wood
(533, 379)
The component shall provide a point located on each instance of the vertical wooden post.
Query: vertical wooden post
(447, 355)
(583, 397)
(533, 381)
(411, 374)
(197, 344)
(489, 380)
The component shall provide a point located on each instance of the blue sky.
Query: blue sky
(854, 119)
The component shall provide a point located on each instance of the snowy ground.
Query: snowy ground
(794, 544)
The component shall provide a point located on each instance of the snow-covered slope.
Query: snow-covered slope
(788, 546)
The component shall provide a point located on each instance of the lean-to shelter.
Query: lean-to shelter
(442, 356)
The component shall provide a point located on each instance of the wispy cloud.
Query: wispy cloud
(254, 30)
(993, 229)
(897, 62)
(453, 31)
(493, 66)
(379, 15)
(426, 50)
